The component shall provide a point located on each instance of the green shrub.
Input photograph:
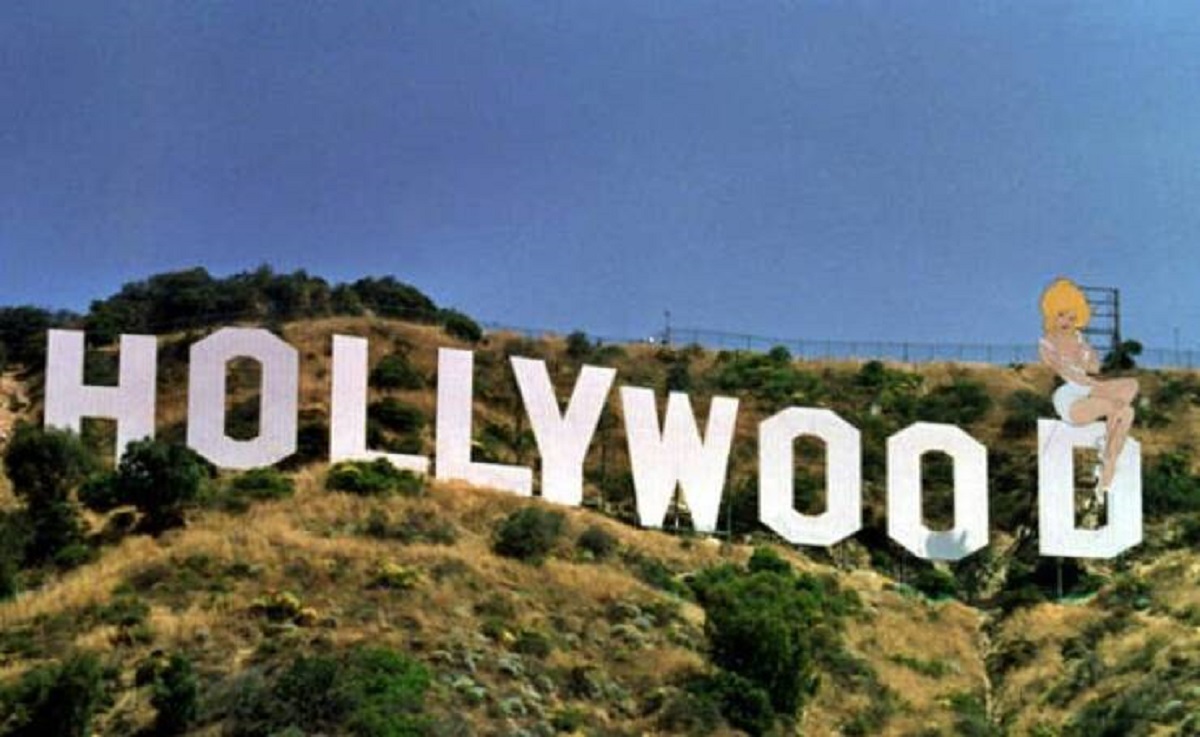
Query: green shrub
(1170, 486)
(373, 478)
(13, 539)
(1024, 408)
(579, 347)
(770, 625)
(175, 696)
(597, 542)
(533, 642)
(743, 704)
(654, 572)
(971, 719)
(390, 575)
(312, 443)
(691, 712)
(528, 534)
(961, 402)
(767, 560)
(397, 416)
(935, 583)
(394, 371)
(417, 526)
(44, 466)
(1122, 358)
(59, 699)
(367, 692)
(458, 325)
(262, 484)
(161, 479)
(770, 378)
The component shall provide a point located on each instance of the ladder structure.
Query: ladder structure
(1105, 325)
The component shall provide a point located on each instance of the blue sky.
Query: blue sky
(855, 170)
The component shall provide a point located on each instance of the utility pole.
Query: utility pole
(667, 328)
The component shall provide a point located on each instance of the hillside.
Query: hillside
(600, 641)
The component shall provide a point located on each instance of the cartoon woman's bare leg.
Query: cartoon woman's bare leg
(1095, 408)
(1121, 393)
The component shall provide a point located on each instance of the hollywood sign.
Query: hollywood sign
(665, 453)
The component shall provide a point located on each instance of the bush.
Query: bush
(397, 416)
(578, 345)
(161, 479)
(175, 696)
(743, 704)
(962, 402)
(770, 378)
(312, 442)
(458, 325)
(373, 478)
(935, 583)
(1123, 358)
(595, 541)
(367, 692)
(1170, 485)
(58, 700)
(394, 371)
(1024, 408)
(44, 466)
(417, 526)
(766, 559)
(769, 626)
(14, 537)
(528, 534)
(262, 484)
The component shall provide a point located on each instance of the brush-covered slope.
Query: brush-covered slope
(606, 632)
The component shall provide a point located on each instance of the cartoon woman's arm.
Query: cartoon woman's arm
(1090, 362)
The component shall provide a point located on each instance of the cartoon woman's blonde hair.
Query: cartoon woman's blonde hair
(1063, 295)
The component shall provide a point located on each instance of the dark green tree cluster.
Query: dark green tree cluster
(23, 334)
(193, 298)
(767, 629)
(160, 479)
(59, 699)
(45, 467)
(529, 534)
(373, 478)
(769, 377)
(366, 692)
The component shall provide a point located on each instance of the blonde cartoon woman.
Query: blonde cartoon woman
(1084, 398)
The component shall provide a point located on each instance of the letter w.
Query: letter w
(677, 455)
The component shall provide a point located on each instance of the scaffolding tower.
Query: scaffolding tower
(1105, 325)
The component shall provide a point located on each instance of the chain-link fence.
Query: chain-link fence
(859, 350)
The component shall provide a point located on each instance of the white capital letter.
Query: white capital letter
(1058, 534)
(348, 409)
(453, 459)
(562, 438)
(677, 455)
(130, 402)
(905, 526)
(843, 476)
(277, 405)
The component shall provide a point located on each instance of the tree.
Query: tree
(54, 699)
(458, 325)
(578, 345)
(175, 696)
(768, 626)
(159, 478)
(44, 466)
(1122, 358)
